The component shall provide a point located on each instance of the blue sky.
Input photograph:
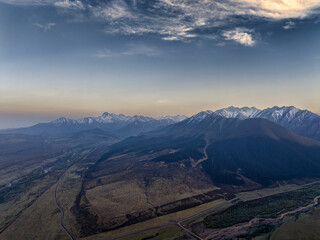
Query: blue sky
(157, 57)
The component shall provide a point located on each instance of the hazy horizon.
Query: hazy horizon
(26, 120)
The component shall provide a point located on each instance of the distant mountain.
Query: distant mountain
(115, 124)
(172, 119)
(229, 149)
(240, 113)
(303, 122)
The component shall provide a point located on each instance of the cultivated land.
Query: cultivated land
(159, 223)
(152, 229)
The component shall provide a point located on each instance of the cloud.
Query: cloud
(105, 53)
(113, 10)
(278, 9)
(240, 35)
(134, 49)
(45, 27)
(141, 50)
(289, 25)
(158, 18)
(28, 2)
(76, 4)
(72, 4)
(183, 20)
(188, 19)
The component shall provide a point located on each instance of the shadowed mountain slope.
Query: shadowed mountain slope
(254, 148)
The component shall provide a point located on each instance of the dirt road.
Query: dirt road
(61, 209)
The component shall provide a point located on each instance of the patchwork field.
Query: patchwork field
(160, 223)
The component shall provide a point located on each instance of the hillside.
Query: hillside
(180, 166)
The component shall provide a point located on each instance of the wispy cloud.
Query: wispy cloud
(105, 53)
(240, 35)
(289, 25)
(45, 27)
(28, 2)
(113, 10)
(184, 20)
(75, 4)
(136, 49)
(275, 9)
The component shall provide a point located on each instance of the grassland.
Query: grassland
(22, 193)
(31, 168)
(39, 221)
(153, 189)
(305, 228)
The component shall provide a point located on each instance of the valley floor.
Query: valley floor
(189, 224)
(58, 175)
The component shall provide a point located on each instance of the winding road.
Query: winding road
(61, 209)
(204, 151)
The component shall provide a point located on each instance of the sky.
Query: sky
(79, 58)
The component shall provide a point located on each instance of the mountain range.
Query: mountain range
(302, 122)
(257, 147)
(179, 166)
(115, 124)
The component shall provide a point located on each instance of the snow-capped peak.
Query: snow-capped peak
(203, 114)
(176, 118)
(138, 118)
(86, 120)
(235, 112)
(200, 116)
(106, 118)
(64, 120)
(279, 113)
(111, 118)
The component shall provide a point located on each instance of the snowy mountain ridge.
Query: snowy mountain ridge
(240, 113)
(303, 122)
(106, 118)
